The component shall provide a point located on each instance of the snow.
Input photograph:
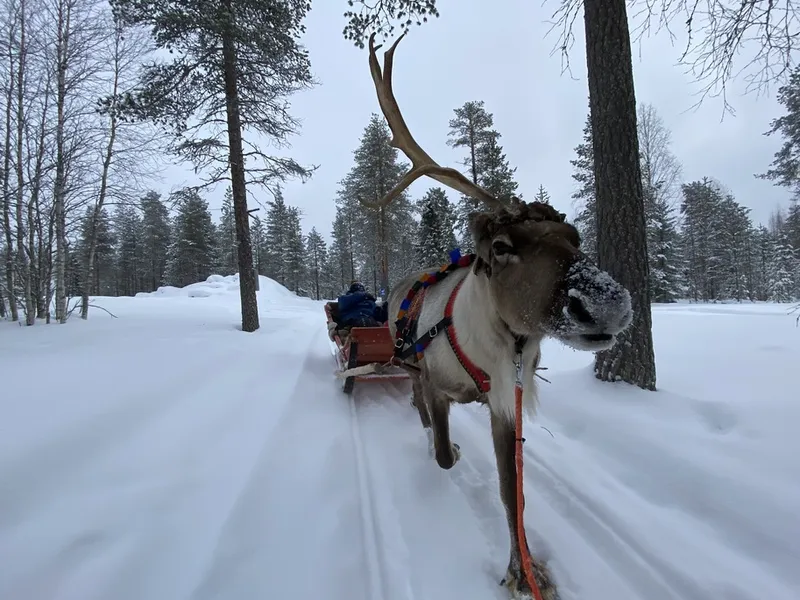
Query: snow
(166, 455)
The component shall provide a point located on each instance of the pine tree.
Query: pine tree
(665, 254)
(436, 237)
(586, 219)
(129, 250)
(276, 236)
(260, 253)
(791, 225)
(702, 210)
(317, 258)
(404, 259)
(497, 176)
(735, 231)
(542, 195)
(781, 283)
(226, 243)
(103, 271)
(192, 253)
(487, 165)
(785, 169)
(377, 230)
(342, 251)
(155, 241)
(471, 129)
(295, 257)
(761, 261)
(237, 61)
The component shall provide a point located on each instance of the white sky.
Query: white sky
(472, 52)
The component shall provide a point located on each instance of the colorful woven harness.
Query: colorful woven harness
(408, 315)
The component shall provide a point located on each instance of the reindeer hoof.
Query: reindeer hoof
(449, 459)
(519, 589)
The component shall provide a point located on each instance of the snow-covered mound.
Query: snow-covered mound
(217, 285)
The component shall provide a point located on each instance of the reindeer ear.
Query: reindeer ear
(482, 227)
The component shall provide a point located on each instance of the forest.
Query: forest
(79, 148)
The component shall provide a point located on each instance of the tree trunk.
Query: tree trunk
(473, 150)
(59, 186)
(101, 197)
(36, 232)
(48, 290)
(22, 260)
(621, 233)
(247, 276)
(10, 266)
(384, 247)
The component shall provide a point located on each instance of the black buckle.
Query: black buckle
(433, 331)
(399, 344)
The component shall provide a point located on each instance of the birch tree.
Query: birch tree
(11, 24)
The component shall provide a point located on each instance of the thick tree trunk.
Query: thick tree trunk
(247, 275)
(621, 234)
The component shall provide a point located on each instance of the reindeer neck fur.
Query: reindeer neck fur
(484, 338)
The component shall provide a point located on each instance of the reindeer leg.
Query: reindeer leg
(418, 401)
(503, 436)
(447, 453)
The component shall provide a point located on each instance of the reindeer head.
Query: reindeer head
(538, 280)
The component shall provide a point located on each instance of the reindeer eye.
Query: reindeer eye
(500, 248)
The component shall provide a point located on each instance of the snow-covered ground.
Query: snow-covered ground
(165, 455)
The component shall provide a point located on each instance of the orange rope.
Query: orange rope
(527, 569)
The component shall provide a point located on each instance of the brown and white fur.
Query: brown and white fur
(526, 271)
(529, 279)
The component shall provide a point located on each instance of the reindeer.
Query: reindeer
(527, 280)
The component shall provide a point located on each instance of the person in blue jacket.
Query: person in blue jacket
(357, 308)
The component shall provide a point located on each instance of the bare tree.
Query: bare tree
(719, 35)
(128, 47)
(23, 264)
(78, 36)
(660, 167)
(11, 24)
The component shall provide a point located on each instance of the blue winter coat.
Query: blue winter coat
(355, 305)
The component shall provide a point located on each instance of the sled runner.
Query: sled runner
(362, 353)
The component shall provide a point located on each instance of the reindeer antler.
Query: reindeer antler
(422, 163)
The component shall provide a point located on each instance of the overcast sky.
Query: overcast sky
(472, 52)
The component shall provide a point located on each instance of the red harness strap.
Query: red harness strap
(478, 375)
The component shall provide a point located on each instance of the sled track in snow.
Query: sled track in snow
(648, 574)
(622, 552)
(378, 576)
(368, 521)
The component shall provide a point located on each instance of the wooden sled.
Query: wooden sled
(363, 353)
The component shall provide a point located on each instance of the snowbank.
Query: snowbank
(219, 285)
